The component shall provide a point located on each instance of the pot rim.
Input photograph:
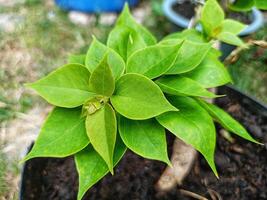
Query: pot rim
(181, 21)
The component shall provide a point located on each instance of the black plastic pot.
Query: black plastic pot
(36, 165)
(182, 23)
(251, 103)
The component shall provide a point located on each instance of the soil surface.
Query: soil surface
(187, 10)
(242, 167)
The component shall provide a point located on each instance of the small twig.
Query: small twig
(192, 194)
(194, 20)
(235, 53)
(214, 195)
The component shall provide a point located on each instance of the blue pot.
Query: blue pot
(94, 6)
(182, 23)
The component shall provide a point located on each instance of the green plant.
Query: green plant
(241, 5)
(126, 93)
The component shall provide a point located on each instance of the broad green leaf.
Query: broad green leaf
(230, 38)
(261, 4)
(153, 61)
(210, 73)
(193, 125)
(102, 81)
(125, 41)
(96, 53)
(78, 59)
(63, 134)
(137, 97)
(188, 34)
(242, 5)
(212, 16)
(183, 86)
(146, 138)
(126, 19)
(232, 26)
(91, 167)
(170, 42)
(226, 120)
(190, 55)
(67, 86)
(101, 128)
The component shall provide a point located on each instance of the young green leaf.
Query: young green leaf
(101, 128)
(102, 81)
(241, 5)
(183, 86)
(125, 41)
(63, 134)
(212, 16)
(137, 97)
(145, 137)
(210, 73)
(96, 53)
(190, 55)
(231, 38)
(126, 19)
(153, 61)
(261, 4)
(226, 120)
(232, 26)
(78, 59)
(67, 86)
(91, 167)
(188, 34)
(193, 125)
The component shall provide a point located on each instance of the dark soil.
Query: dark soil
(186, 9)
(242, 168)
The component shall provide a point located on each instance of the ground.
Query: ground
(37, 37)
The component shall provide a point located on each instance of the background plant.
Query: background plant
(126, 93)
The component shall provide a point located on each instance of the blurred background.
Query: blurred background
(37, 36)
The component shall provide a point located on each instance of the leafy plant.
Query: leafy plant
(123, 95)
(241, 5)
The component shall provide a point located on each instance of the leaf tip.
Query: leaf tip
(28, 85)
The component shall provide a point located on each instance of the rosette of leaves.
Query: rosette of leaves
(125, 94)
(215, 26)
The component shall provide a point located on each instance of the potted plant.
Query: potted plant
(94, 6)
(124, 95)
(179, 12)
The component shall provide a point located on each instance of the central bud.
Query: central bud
(93, 105)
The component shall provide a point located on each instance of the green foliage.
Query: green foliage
(139, 98)
(216, 27)
(65, 87)
(62, 134)
(101, 80)
(193, 125)
(214, 69)
(212, 16)
(146, 138)
(189, 56)
(242, 6)
(153, 61)
(160, 87)
(226, 121)
(261, 4)
(91, 167)
(95, 55)
(101, 128)
(78, 59)
(183, 86)
(125, 41)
